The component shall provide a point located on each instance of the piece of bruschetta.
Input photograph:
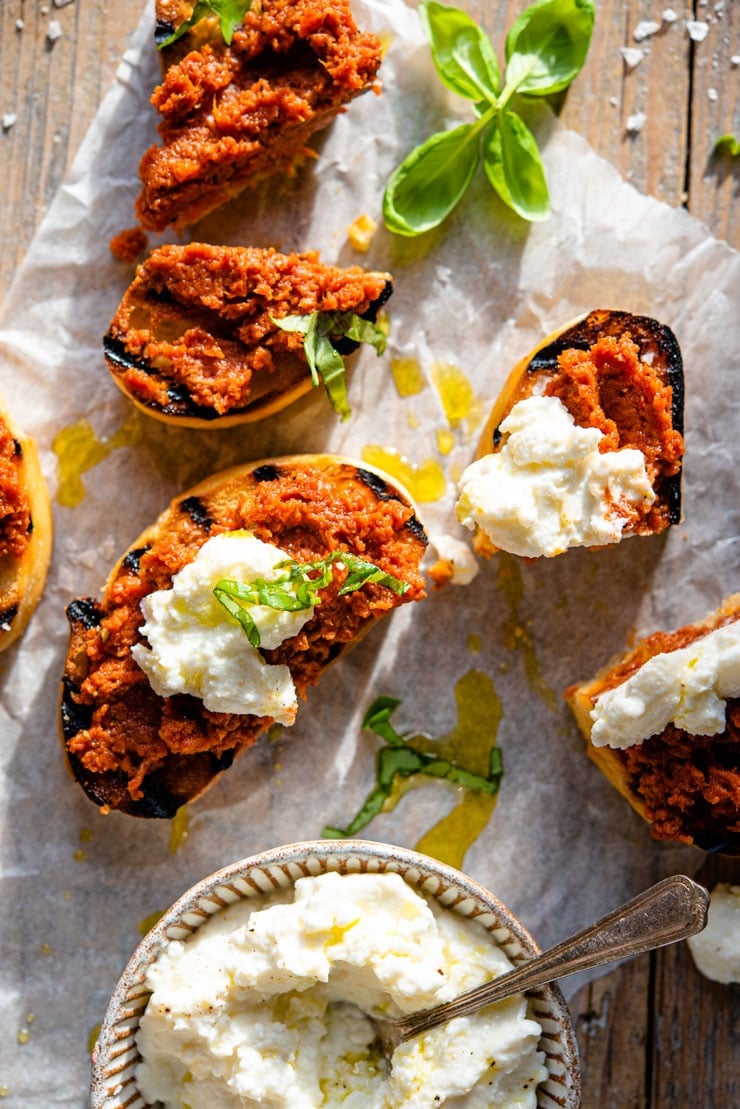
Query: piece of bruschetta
(199, 338)
(137, 727)
(584, 444)
(233, 114)
(662, 722)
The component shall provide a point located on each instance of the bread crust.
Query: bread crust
(655, 342)
(384, 523)
(22, 578)
(582, 695)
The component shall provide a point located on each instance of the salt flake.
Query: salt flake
(636, 122)
(698, 31)
(632, 55)
(713, 94)
(645, 29)
(54, 30)
(9, 120)
(669, 16)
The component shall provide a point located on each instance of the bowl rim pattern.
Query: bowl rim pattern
(115, 1055)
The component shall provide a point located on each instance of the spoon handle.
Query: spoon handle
(671, 910)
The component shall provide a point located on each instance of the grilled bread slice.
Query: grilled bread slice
(147, 755)
(234, 114)
(194, 341)
(25, 530)
(621, 373)
(686, 786)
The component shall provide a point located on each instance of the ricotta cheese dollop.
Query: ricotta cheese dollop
(549, 487)
(716, 950)
(688, 687)
(195, 647)
(265, 1004)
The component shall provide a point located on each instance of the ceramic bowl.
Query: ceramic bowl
(116, 1056)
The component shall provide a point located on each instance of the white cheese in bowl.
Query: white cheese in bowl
(550, 488)
(265, 1004)
(194, 646)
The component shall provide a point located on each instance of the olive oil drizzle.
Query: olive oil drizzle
(479, 714)
(425, 482)
(179, 829)
(78, 449)
(516, 635)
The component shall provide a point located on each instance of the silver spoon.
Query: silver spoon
(671, 910)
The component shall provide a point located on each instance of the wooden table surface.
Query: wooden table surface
(653, 1033)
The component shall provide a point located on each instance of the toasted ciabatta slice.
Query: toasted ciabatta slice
(195, 341)
(145, 754)
(687, 786)
(234, 114)
(613, 371)
(25, 530)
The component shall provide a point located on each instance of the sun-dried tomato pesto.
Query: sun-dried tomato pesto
(199, 320)
(234, 114)
(304, 509)
(690, 783)
(609, 387)
(15, 510)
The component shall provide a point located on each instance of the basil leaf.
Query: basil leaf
(235, 609)
(727, 144)
(514, 167)
(362, 331)
(398, 759)
(431, 181)
(547, 45)
(377, 719)
(299, 324)
(359, 572)
(329, 365)
(295, 589)
(462, 52)
(230, 14)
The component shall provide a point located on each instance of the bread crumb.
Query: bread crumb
(361, 231)
(128, 245)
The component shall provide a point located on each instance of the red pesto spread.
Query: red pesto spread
(610, 388)
(201, 317)
(309, 513)
(15, 511)
(233, 114)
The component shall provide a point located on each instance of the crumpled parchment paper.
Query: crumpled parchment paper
(561, 847)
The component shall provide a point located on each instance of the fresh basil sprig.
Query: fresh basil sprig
(230, 14)
(320, 330)
(399, 759)
(298, 587)
(545, 49)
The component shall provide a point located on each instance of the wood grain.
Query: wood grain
(654, 1034)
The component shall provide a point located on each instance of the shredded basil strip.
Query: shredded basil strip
(230, 14)
(398, 759)
(545, 48)
(320, 331)
(297, 587)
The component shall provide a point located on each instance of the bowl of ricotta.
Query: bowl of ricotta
(256, 988)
